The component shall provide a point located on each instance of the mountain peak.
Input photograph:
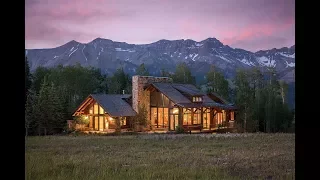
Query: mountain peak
(99, 39)
(213, 41)
(73, 41)
(293, 47)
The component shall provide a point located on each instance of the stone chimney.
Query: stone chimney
(141, 97)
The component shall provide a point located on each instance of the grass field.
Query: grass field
(198, 156)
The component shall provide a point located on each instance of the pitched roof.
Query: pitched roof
(175, 93)
(115, 104)
(168, 90)
(215, 95)
(188, 89)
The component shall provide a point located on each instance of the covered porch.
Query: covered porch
(191, 118)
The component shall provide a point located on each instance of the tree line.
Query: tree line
(53, 94)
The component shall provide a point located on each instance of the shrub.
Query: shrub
(179, 130)
(220, 126)
(140, 120)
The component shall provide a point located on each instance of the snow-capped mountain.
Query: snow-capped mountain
(108, 55)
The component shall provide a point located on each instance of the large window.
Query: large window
(91, 110)
(187, 117)
(96, 117)
(95, 108)
(174, 118)
(159, 117)
(220, 117)
(154, 116)
(174, 111)
(90, 121)
(232, 115)
(206, 117)
(123, 121)
(101, 110)
(159, 110)
(158, 99)
(196, 116)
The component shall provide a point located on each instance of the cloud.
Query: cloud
(269, 42)
(234, 22)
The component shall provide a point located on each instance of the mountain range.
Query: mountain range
(109, 55)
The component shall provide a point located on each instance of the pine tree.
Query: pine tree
(217, 83)
(272, 88)
(183, 75)
(257, 85)
(142, 71)
(38, 77)
(49, 109)
(118, 82)
(56, 106)
(28, 78)
(30, 117)
(244, 99)
(42, 109)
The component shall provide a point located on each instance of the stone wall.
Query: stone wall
(141, 97)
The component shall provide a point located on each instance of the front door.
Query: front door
(173, 122)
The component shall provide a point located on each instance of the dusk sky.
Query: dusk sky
(248, 24)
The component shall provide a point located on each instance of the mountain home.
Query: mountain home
(168, 105)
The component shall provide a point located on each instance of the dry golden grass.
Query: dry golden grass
(229, 156)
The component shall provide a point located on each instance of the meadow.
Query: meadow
(161, 156)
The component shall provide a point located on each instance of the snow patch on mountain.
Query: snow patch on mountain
(83, 53)
(128, 50)
(223, 58)
(266, 62)
(73, 51)
(198, 44)
(245, 61)
(194, 57)
(286, 55)
(292, 64)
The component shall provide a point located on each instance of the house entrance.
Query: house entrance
(174, 121)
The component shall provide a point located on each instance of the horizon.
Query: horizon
(264, 25)
(157, 41)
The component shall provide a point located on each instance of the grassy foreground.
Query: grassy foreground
(198, 156)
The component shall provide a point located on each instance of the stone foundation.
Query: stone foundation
(141, 97)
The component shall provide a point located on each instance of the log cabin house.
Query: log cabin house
(168, 105)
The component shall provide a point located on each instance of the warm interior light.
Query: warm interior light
(110, 118)
(175, 111)
(86, 117)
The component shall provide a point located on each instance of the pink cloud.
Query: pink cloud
(234, 22)
(255, 30)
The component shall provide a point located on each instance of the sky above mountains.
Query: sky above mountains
(248, 24)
